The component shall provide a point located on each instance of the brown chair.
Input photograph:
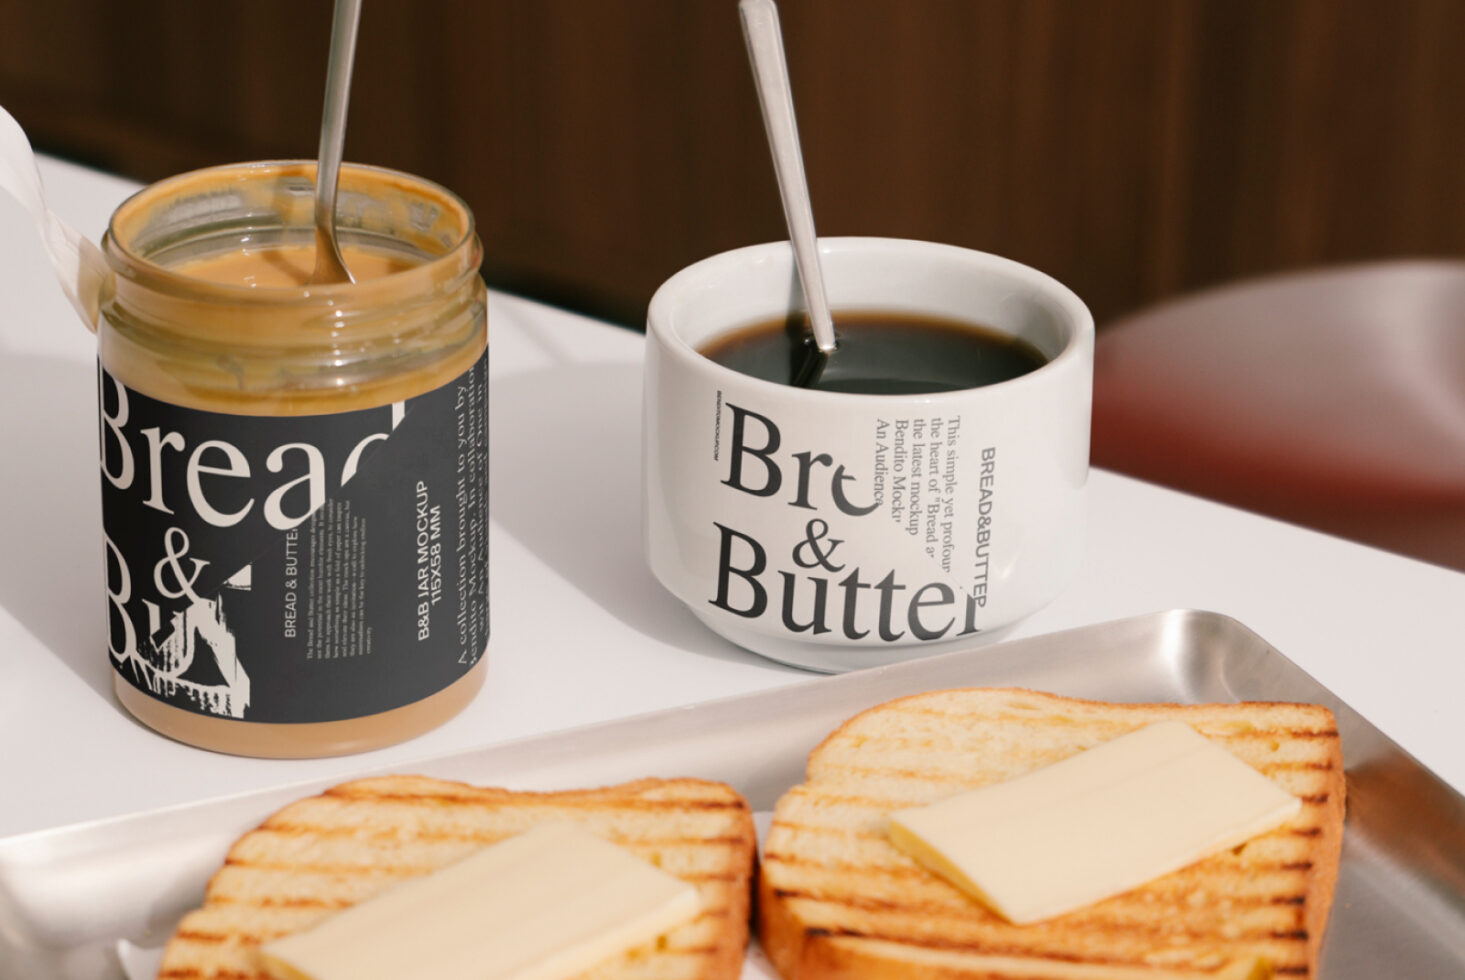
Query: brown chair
(1333, 399)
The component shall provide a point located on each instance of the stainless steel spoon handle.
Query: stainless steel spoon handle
(329, 266)
(770, 72)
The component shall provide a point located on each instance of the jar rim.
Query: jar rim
(120, 247)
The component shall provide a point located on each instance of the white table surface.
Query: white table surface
(580, 630)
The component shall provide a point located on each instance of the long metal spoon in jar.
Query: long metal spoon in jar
(329, 266)
(770, 73)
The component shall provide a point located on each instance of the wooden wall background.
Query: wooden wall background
(1133, 148)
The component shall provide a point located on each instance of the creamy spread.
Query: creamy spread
(287, 266)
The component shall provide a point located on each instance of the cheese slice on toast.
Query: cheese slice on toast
(328, 852)
(837, 899)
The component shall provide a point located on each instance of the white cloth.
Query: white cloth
(78, 262)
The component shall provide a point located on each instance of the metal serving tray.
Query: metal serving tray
(69, 895)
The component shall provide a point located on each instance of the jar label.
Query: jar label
(302, 568)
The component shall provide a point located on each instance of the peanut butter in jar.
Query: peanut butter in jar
(294, 476)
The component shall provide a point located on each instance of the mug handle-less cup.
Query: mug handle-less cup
(837, 531)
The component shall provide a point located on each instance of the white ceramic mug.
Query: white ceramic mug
(837, 531)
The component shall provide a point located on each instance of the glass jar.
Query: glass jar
(294, 475)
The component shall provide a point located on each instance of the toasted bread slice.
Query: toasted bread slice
(331, 851)
(837, 899)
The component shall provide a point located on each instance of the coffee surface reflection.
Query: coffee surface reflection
(880, 353)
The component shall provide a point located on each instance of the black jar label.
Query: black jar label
(301, 568)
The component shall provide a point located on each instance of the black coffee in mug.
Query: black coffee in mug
(879, 353)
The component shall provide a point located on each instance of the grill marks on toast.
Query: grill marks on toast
(331, 851)
(907, 907)
(835, 895)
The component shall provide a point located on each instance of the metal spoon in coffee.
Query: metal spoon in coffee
(329, 266)
(770, 72)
